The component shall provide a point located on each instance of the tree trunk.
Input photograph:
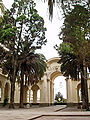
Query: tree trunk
(84, 88)
(12, 92)
(83, 91)
(13, 79)
(21, 89)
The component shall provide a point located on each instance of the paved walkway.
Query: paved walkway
(46, 113)
(63, 118)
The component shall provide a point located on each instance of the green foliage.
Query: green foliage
(65, 48)
(8, 32)
(59, 98)
(76, 42)
(23, 22)
(34, 66)
(22, 30)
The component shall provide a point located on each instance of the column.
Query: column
(69, 100)
(52, 92)
(17, 93)
(76, 95)
(29, 95)
(45, 98)
(2, 93)
(67, 88)
(48, 90)
(88, 91)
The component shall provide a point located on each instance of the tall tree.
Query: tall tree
(75, 34)
(20, 24)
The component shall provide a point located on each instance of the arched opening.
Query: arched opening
(35, 94)
(38, 96)
(58, 88)
(28, 96)
(0, 90)
(6, 91)
(79, 92)
(31, 96)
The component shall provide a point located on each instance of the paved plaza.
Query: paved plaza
(62, 118)
(43, 113)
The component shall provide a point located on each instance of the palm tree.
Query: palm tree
(32, 66)
(69, 65)
(64, 4)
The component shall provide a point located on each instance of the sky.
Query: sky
(53, 29)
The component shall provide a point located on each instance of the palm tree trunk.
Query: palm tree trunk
(13, 79)
(21, 88)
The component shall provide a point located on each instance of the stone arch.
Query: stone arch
(53, 71)
(55, 74)
(35, 88)
(53, 68)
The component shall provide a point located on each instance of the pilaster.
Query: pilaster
(69, 90)
(48, 90)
